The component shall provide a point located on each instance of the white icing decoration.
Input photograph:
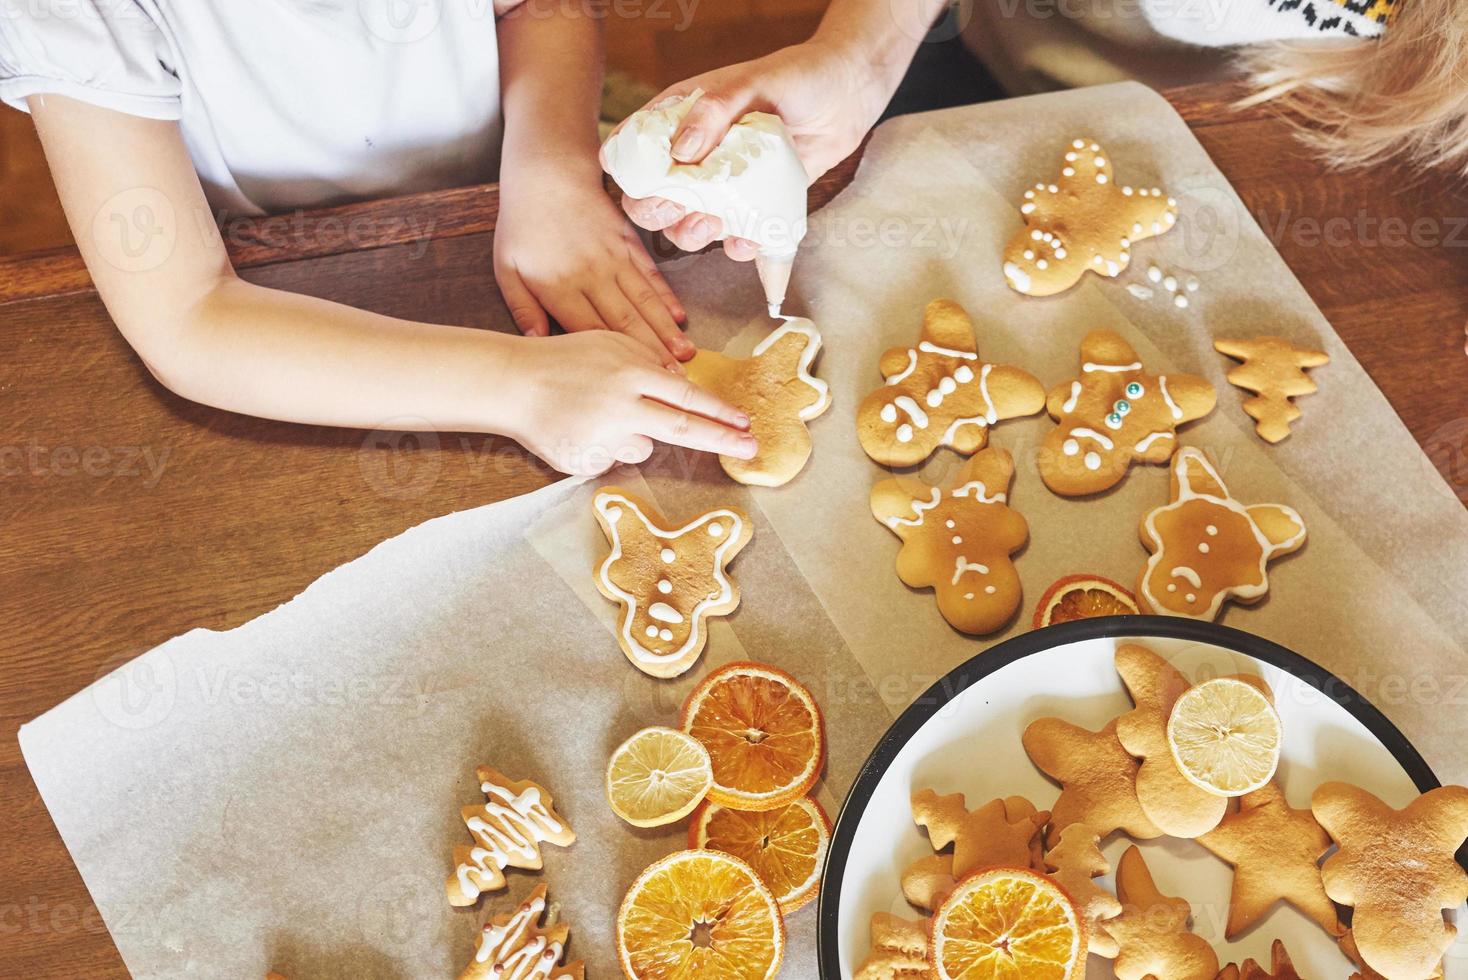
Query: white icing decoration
(516, 956)
(957, 539)
(888, 413)
(652, 632)
(968, 595)
(664, 613)
(1180, 301)
(668, 554)
(962, 565)
(1177, 413)
(948, 524)
(1081, 432)
(1190, 597)
(904, 433)
(918, 509)
(1093, 461)
(1075, 394)
(1139, 291)
(977, 490)
(715, 529)
(901, 376)
(807, 329)
(665, 635)
(1212, 529)
(931, 348)
(1184, 572)
(509, 827)
(964, 374)
(1018, 278)
(1070, 447)
(1149, 438)
(664, 586)
(1203, 547)
(1114, 368)
(990, 589)
(916, 414)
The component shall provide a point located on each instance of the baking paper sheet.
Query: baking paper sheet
(286, 795)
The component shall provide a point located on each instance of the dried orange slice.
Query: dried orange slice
(785, 847)
(658, 776)
(1083, 597)
(764, 734)
(1008, 922)
(1225, 736)
(700, 914)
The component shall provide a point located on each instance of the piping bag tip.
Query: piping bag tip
(774, 309)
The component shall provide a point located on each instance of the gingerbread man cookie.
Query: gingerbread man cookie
(899, 950)
(1082, 222)
(1113, 414)
(1274, 850)
(508, 830)
(1207, 547)
(1001, 833)
(1152, 930)
(1073, 862)
(776, 389)
(1274, 369)
(1097, 776)
(957, 539)
(939, 393)
(518, 947)
(1396, 869)
(668, 580)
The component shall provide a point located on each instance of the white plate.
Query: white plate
(964, 736)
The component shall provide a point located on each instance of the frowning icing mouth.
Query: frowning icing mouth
(1183, 571)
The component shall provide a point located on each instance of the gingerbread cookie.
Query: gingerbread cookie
(668, 580)
(1177, 806)
(518, 947)
(1152, 930)
(957, 539)
(1207, 547)
(1001, 833)
(1084, 221)
(1397, 871)
(939, 393)
(508, 831)
(1097, 776)
(1115, 413)
(1274, 369)
(776, 389)
(899, 950)
(1073, 862)
(928, 880)
(1274, 850)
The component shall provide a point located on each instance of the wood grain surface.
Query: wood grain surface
(131, 515)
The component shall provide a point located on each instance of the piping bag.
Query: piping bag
(753, 181)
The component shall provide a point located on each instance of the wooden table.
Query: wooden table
(131, 516)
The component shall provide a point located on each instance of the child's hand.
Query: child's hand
(562, 248)
(592, 400)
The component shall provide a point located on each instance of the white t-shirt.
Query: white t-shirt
(283, 103)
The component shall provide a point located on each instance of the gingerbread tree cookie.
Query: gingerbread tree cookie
(1073, 862)
(775, 388)
(1097, 776)
(1152, 930)
(899, 950)
(1114, 414)
(940, 393)
(957, 539)
(1275, 850)
(518, 947)
(1084, 221)
(1207, 547)
(1397, 871)
(1274, 369)
(669, 580)
(508, 830)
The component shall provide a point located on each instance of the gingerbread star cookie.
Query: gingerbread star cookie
(1397, 871)
(1275, 850)
(1152, 930)
(1207, 547)
(1083, 221)
(776, 389)
(1097, 776)
(958, 538)
(1114, 414)
(940, 393)
(1274, 369)
(669, 580)
(508, 830)
(899, 950)
(1073, 862)
(518, 947)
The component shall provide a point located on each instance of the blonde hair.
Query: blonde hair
(1363, 101)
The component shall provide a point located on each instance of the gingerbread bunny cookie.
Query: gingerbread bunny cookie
(939, 393)
(668, 580)
(1113, 414)
(1082, 222)
(1207, 547)
(958, 539)
(775, 388)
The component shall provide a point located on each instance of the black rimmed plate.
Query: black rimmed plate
(963, 735)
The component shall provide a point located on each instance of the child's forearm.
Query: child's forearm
(550, 88)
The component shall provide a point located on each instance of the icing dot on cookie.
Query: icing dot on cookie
(1180, 301)
(1098, 260)
(1203, 547)
(1100, 178)
(1100, 161)
(1211, 529)
(990, 589)
(1192, 284)
(948, 524)
(1172, 202)
(968, 595)
(1169, 283)
(964, 374)
(1078, 144)
(1134, 389)
(1037, 234)
(947, 386)
(715, 529)
(1029, 195)
(1093, 461)
(1026, 208)
(904, 433)
(957, 539)
(1113, 421)
(1071, 447)
(1172, 586)
(668, 555)
(1029, 254)
(889, 413)
(1042, 264)
(1053, 189)
(1060, 253)
(935, 398)
(1190, 598)
(1127, 191)
(1068, 172)
(666, 635)
(1070, 158)
(652, 632)
(664, 586)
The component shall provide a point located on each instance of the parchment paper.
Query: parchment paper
(286, 794)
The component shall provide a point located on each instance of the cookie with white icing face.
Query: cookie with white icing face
(1115, 413)
(508, 829)
(940, 393)
(1207, 547)
(668, 579)
(1082, 222)
(957, 539)
(775, 388)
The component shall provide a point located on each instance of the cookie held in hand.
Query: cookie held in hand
(1207, 547)
(668, 580)
(775, 388)
(1114, 414)
(957, 539)
(1083, 222)
(939, 393)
